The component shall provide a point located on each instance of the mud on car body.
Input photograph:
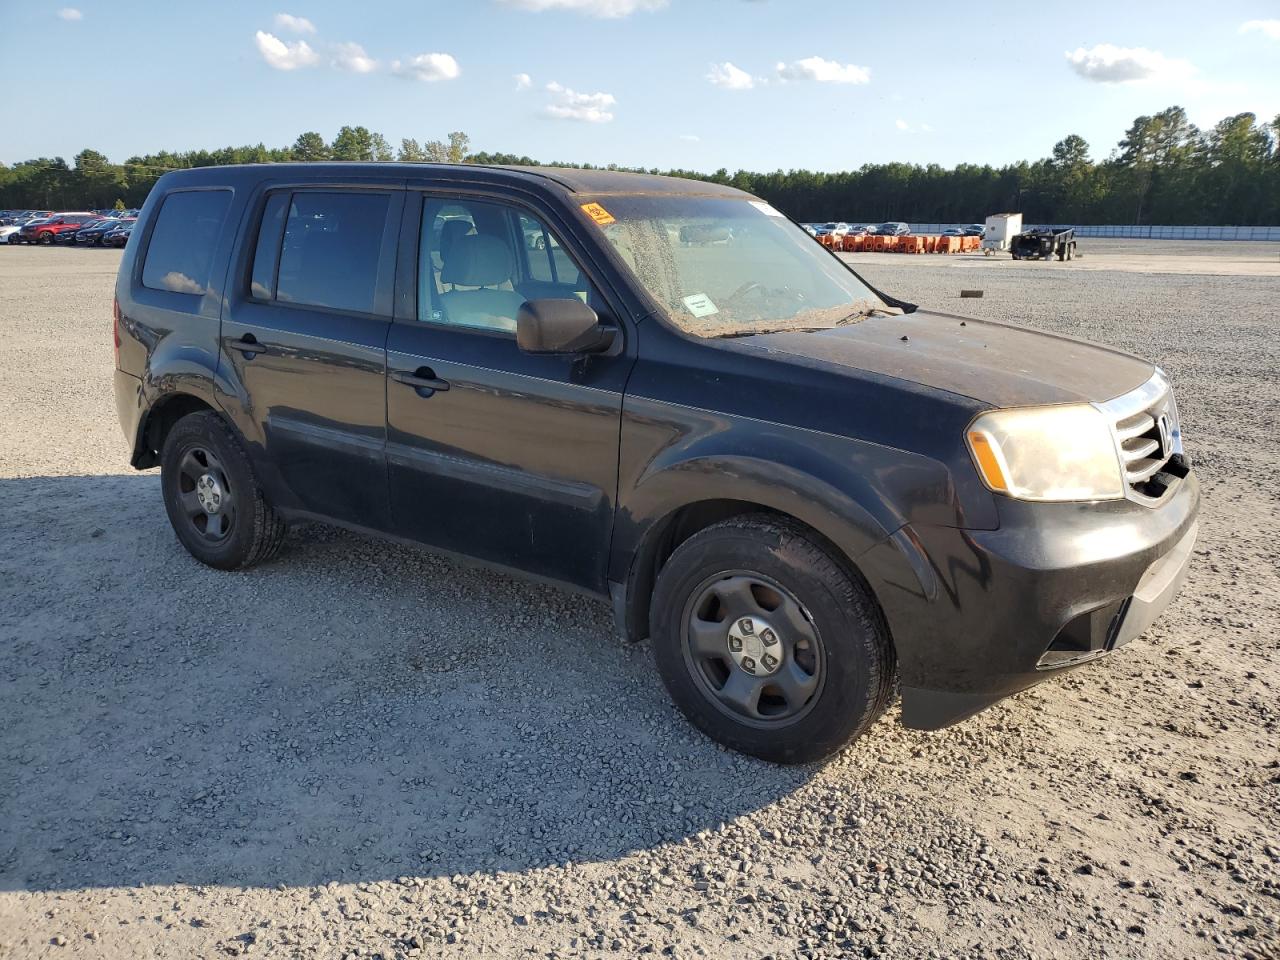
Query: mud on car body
(807, 493)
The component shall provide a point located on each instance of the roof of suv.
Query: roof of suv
(571, 179)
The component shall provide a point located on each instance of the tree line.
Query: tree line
(1165, 170)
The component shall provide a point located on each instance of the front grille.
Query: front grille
(1148, 438)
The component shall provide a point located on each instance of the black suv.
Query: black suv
(808, 494)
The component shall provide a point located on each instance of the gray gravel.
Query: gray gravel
(360, 750)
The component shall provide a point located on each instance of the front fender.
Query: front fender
(855, 493)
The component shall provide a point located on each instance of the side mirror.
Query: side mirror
(561, 326)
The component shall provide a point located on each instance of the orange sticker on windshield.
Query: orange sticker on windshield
(598, 213)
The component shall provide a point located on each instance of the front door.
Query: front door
(492, 452)
(307, 346)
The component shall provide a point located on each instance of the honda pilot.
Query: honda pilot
(809, 496)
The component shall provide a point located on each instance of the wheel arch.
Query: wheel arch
(660, 540)
(159, 420)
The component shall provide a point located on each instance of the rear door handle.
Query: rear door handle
(248, 345)
(423, 380)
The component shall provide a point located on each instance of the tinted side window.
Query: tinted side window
(329, 257)
(180, 254)
(262, 285)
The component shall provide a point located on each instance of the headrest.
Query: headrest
(450, 231)
(477, 260)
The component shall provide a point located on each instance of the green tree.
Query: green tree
(379, 148)
(353, 143)
(411, 151)
(455, 151)
(310, 146)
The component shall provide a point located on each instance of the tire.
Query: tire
(202, 447)
(834, 650)
(45, 239)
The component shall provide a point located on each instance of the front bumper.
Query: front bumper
(977, 615)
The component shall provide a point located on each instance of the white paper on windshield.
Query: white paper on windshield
(700, 305)
(765, 208)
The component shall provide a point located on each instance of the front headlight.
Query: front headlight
(1053, 453)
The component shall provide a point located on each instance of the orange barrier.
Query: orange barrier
(917, 243)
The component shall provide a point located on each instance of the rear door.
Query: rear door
(304, 337)
(509, 457)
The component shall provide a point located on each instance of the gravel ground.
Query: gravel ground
(360, 750)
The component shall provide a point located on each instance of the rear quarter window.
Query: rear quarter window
(180, 253)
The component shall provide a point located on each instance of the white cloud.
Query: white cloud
(1268, 28)
(690, 138)
(729, 77)
(285, 56)
(925, 128)
(824, 71)
(351, 56)
(609, 9)
(70, 14)
(588, 107)
(902, 124)
(523, 81)
(1107, 63)
(291, 24)
(428, 67)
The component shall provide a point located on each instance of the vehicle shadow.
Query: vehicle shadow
(351, 711)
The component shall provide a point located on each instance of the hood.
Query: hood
(997, 363)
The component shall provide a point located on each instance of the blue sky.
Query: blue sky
(701, 84)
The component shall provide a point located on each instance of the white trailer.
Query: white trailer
(1001, 228)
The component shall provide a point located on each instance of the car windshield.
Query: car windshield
(724, 267)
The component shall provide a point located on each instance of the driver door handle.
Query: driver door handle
(248, 345)
(423, 380)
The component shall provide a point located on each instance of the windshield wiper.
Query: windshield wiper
(869, 312)
(766, 330)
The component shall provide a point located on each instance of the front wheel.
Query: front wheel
(767, 643)
(45, 238)
(213, 499)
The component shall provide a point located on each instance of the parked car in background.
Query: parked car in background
(47, 230)
(954, 232)
(10, 233)
(92, 234)
(811, 497)
(893, 228)
(810, 229)
(68, 237)
(832, 229)
(975, 230)
(119, 235)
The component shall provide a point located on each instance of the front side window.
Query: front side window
(479, 261)
(180, 252)
(319, 249)
(722, 267)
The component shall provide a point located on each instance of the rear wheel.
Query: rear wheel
(767, 644)
(213, 499)
(45, 238)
